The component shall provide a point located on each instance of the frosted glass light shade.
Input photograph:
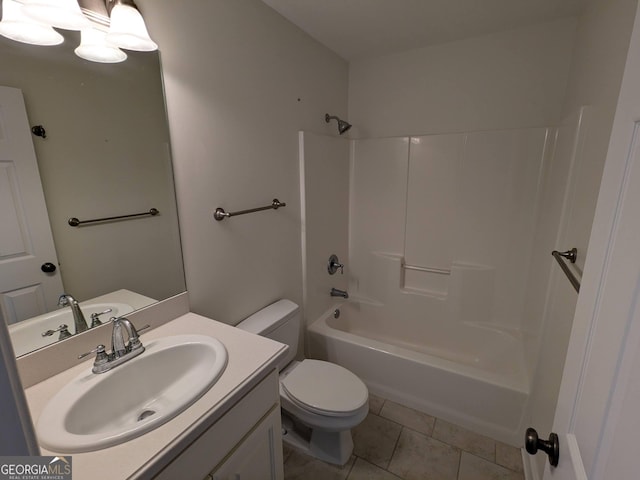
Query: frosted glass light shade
(95, 48)
(128, 30)
(17, 26)
(64, 14)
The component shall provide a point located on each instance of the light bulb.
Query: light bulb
(128, 30)
(64, 14)
(95, 48)
(21, 28)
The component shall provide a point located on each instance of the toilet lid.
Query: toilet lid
(325, 388)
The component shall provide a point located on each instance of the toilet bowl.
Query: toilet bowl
(321, 401)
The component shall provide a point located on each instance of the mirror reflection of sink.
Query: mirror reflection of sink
(96, 411)
(27, 336)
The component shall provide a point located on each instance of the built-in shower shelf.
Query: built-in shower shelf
(425, 281)
(424, 293)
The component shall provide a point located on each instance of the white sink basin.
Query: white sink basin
(27, 335)
(96, 411)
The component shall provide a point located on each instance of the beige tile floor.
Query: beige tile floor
(397, 443)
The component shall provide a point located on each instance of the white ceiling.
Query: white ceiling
(356, 29)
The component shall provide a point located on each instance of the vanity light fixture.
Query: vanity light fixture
(65, 14)
(31, 21)
(95, 47)
(17, 26)
(127, 29)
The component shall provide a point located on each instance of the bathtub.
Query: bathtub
(464, 373)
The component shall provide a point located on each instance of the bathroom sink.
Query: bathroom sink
(96, 411)
(27, 336)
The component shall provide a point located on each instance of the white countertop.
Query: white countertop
(250, 358)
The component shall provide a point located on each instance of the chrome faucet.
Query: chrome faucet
(79, 321)
(121, 350)
(339, 293)
(118, 346)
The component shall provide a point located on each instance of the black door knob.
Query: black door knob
(48, 267)
(551, 447)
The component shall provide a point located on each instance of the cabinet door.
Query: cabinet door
(258, 456)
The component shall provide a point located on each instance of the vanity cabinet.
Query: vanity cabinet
(231, 432)
(255, 457)
(244, 444)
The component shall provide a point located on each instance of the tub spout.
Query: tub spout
(339, 293)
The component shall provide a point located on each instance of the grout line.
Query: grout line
(355, 459)
(395, 448)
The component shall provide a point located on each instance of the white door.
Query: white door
(26, 242)
(598, 409)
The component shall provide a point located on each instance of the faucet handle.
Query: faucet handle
(334, 265)
(64, 333)
(101, 354)
(95, 320)
(134, 340)
(101, 361)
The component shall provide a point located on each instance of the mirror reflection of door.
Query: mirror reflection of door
(26, 242)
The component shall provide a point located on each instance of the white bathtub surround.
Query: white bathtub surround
(442, 202)
(467, 374)
(441, 231)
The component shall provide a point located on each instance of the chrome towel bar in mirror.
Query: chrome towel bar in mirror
(74, 222)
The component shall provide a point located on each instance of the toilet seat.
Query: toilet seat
(325, 388)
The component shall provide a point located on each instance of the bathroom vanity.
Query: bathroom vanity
(232, 431)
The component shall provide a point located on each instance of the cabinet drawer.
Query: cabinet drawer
(208, 450)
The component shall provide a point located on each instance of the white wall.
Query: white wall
(602, 39)
(241, 81)
(513, 79)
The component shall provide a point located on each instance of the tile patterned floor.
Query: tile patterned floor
(397, 443)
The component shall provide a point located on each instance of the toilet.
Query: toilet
(321, 401)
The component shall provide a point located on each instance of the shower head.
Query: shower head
(342, 125)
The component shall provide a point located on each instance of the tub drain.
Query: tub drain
(145, 414)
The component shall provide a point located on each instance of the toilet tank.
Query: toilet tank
(279, 321)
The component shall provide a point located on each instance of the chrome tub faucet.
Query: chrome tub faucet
(339, 293)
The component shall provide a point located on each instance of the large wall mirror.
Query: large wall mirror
(106, 153)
